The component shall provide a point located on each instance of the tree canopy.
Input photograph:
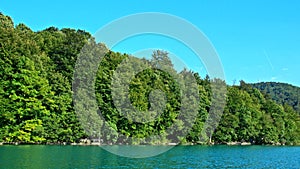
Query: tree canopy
(138, 101)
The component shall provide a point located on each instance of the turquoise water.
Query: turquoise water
(37, 156)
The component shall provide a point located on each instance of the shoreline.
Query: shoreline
(167, 144)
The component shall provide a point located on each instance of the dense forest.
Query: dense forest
(282, 93)
(39, 96)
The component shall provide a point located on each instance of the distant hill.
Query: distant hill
(282, 93)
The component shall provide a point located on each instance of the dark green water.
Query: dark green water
(35, 157)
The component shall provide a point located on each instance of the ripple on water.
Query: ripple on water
(178, 157)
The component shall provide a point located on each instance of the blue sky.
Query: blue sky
(256, 40)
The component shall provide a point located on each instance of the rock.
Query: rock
(245, 144)
(234, 143)
(95, 144)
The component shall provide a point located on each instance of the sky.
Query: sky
(256, 40)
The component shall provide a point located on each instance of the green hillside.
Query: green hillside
(39, 88)
(282, 93)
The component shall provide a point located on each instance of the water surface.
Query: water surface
(82, 157)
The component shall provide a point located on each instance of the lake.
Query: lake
(39, 156)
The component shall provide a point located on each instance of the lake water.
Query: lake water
(37, 156)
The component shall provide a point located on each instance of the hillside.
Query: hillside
(44, 100)
(282, 93)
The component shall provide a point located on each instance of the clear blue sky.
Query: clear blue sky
(256, 40)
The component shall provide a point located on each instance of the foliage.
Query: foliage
(134, 101)
(282, 93)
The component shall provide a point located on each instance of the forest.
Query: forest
(41, 95)
(281, 93)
